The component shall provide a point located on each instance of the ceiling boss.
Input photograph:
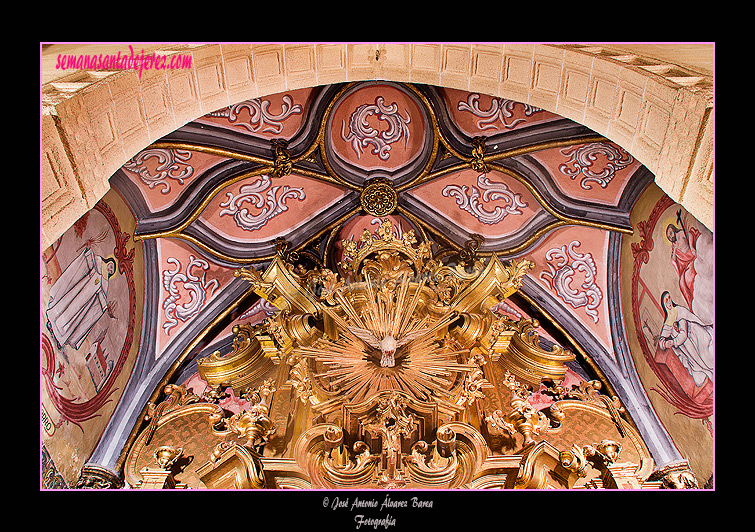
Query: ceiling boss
(378, 197)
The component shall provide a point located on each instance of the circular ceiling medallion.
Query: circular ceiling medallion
(378, 127)
(378, 197)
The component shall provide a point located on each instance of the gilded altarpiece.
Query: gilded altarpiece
(393, 373)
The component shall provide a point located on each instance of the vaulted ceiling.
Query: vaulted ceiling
(551, 189)
(543, 172)
(299, 173)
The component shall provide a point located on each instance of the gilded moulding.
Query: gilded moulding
(179, 408)
(239, 368)
(217, 449)
(518, 342)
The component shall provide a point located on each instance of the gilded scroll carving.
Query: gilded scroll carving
(521, 418)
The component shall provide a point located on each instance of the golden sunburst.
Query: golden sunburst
(384, 342)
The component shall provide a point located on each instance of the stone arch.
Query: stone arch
(94, 121)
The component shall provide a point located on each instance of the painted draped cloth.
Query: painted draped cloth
(77, 300)
(693, 343)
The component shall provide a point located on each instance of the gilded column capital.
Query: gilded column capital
(676, 476)
(98, 477)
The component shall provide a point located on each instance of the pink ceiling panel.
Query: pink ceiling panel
(188, 282)
(377, 127)
(476, 114)
(162, 174)
(571, 265)
(491, 204)
(276, 116)
(596, 172)
(261, 208)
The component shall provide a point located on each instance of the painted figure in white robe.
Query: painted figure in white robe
(691, 340)
(78, 299)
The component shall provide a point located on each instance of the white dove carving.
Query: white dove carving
(388, 344)
(386, 323)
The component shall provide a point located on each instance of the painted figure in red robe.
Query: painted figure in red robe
(683, 255)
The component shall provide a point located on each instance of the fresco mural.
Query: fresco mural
(672, 324)
(89, 308)
(672, 304)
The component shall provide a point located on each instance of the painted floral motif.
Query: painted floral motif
(582, 158)
(271, 204)
(562, 264)
(501, 109)
(198, 287)
(491, 191)
(261, 120)
(169, 166)
(362, 135)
